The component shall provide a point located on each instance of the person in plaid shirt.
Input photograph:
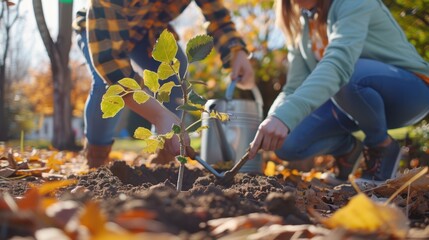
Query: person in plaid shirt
(112, 33)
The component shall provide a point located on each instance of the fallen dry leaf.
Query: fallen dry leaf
(390, 186)
(363, 215)
(6, 172)
(232, 224)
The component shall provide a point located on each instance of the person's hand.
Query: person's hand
(165, 125)
(242, 69)
(270, 136)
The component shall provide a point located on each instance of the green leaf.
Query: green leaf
(151, 80)
(142, 133)
(190, 108)
(165, 70)
(129, 83)
(182, 159)
(176, 129)
(140, 97)
(165, 48)
(194, 98)
(111, 105)
(163, 97)
(113, 90)
(199, 48)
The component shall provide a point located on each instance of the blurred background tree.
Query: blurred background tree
(9, 18)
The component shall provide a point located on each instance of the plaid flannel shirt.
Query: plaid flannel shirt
(115, 26)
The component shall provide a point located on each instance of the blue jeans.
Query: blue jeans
(378, 97)
(100, 131)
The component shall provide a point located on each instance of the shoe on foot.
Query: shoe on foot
(381, 163)
(345, 164)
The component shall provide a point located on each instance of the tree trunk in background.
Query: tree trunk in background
(7, 22)
(58, 53)
(4, 121)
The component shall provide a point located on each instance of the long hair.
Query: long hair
(288, 14)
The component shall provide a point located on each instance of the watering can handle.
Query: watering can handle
(255, 91)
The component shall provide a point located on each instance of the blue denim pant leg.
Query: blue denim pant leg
(381, 97)
(100, 131)
(325, 131)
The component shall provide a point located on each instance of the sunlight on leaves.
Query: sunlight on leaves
(219, 115)
(199, 48)
(142, 133)
(50, 187)
(140, 97)
(129, 83)
(151, 80)
(93, 218)
(362, 214)
(165, 70)
(111, 105)
(169, 135)
(114, 90)
(165, 48)
(166, 88)
(152, 145)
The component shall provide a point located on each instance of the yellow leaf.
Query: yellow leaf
(142, 133)
(165, 48)
(362, 214)
(219, 115)
(270, 169)
(166, 87)
(152, 145)
(129, 83)
(113, 90)
(93, 218)
(166, 70)
(140, 97)
(169, 135)
(52, 186)
(151, 80)
(111, 105)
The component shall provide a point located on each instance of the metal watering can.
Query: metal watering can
(226, 141)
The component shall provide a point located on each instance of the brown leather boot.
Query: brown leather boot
(97, 155)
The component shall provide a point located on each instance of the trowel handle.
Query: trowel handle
(230, 89)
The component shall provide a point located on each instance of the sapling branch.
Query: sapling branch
(165, 51)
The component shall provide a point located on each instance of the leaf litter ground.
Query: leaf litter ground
(142, 201)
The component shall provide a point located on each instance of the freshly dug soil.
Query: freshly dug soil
(120, 188)
(203, 196)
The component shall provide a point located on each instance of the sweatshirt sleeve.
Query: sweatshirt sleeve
(347, 34)
(226, 38)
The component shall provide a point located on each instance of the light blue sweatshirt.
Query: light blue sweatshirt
(356, 29)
